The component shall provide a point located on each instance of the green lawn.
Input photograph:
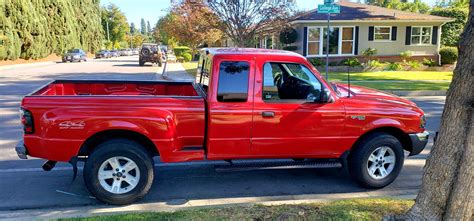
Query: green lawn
(359, 209)
(393, 75)
(190, 67)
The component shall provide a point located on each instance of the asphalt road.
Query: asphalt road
(24, 185)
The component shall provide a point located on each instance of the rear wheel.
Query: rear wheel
(119, 172)
(376, 161)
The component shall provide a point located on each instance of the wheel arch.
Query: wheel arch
(394, 131)
(93, 141)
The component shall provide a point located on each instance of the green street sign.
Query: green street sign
(333, 9)
(328, 2)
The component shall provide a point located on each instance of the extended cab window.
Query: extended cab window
(204, 71)
(233, 81)
(288, 81)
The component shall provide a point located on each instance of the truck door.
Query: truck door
(230, 103)
(289, 121)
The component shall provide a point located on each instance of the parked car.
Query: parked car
(103, 54)
(150, 53)
(123, 52)
(244, 104)
(74, 55)
(134, 51)
(114, 53)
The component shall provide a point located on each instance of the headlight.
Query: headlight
(422, 121)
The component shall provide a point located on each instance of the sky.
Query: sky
(152, 10)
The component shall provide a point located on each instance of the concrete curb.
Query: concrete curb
(36, 64)
(418, 93)
(180, 204)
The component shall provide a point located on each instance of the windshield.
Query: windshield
(73, 51)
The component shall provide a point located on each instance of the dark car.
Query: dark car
(103, 54)
(151, 53)
(75, 55)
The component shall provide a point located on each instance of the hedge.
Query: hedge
(180, 50)
(36, 29)
(450, 31)
(187, 56)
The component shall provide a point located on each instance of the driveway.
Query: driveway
(25, 186)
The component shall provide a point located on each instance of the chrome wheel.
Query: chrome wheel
(381, 162)
(119, 175)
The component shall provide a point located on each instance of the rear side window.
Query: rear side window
(233, 81)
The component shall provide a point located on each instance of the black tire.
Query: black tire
(141, 63)
(359, 160)
(119, 148)
(160, 63)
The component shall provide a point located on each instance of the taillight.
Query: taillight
(27, 121)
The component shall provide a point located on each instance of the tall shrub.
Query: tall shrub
(36, 29)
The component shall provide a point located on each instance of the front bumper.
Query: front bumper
(418, 142)
(21, 150)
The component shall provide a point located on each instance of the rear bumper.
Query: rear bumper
(418, 142)
(21, 150)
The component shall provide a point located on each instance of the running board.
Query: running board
(276, 165)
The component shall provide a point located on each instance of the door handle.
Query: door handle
(268, 114)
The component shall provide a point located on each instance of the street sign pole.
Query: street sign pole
(328, 8)
(327, 48)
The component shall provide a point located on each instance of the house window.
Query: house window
(269, 42)
(382, 33)
(421, 35)
(341, 41)
(314, 40)
(347, 41)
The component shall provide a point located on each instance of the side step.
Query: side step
(277, 165)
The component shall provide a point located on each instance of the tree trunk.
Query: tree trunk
(447, 191)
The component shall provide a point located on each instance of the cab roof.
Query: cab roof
(248, 51)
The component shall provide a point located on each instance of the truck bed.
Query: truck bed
(116, 88)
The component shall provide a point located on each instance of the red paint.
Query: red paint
(173, 115)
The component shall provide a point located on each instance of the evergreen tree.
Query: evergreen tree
(132, 28)
(36, 29)
(143, 27)
(148, 27)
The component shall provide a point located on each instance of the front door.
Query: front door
(288, 119)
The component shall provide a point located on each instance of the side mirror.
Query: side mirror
(326, 96)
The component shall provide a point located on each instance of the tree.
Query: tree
(447, 191)
(36, 29)
(416, 6)
(243, 20)
(192, 24)
(148, 27)
(450, 31)
(133, 29)
(115, 21)
(143, 27)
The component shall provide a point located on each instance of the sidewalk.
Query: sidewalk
(174, 72)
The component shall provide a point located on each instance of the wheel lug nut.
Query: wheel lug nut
(118, 178)
(117, 169)
(113, 174)
(123, 171)
(124, 177)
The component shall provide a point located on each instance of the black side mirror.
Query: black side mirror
(326, 96)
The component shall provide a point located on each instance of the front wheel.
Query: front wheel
(376, 161)
(119, 172)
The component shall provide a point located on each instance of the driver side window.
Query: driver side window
(289, 81)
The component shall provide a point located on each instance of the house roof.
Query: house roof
(357, 11)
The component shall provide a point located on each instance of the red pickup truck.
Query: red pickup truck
(244, 104)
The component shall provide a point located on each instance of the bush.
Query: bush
(429, 62)
(316, 61)
(178, 51)
(374, 63)
(290, 48)
(187, 57)
(449, 55)
(406, 54)
(394, 67)
(414, 64)
(288, 36)
(351, 62)
(369, 52)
